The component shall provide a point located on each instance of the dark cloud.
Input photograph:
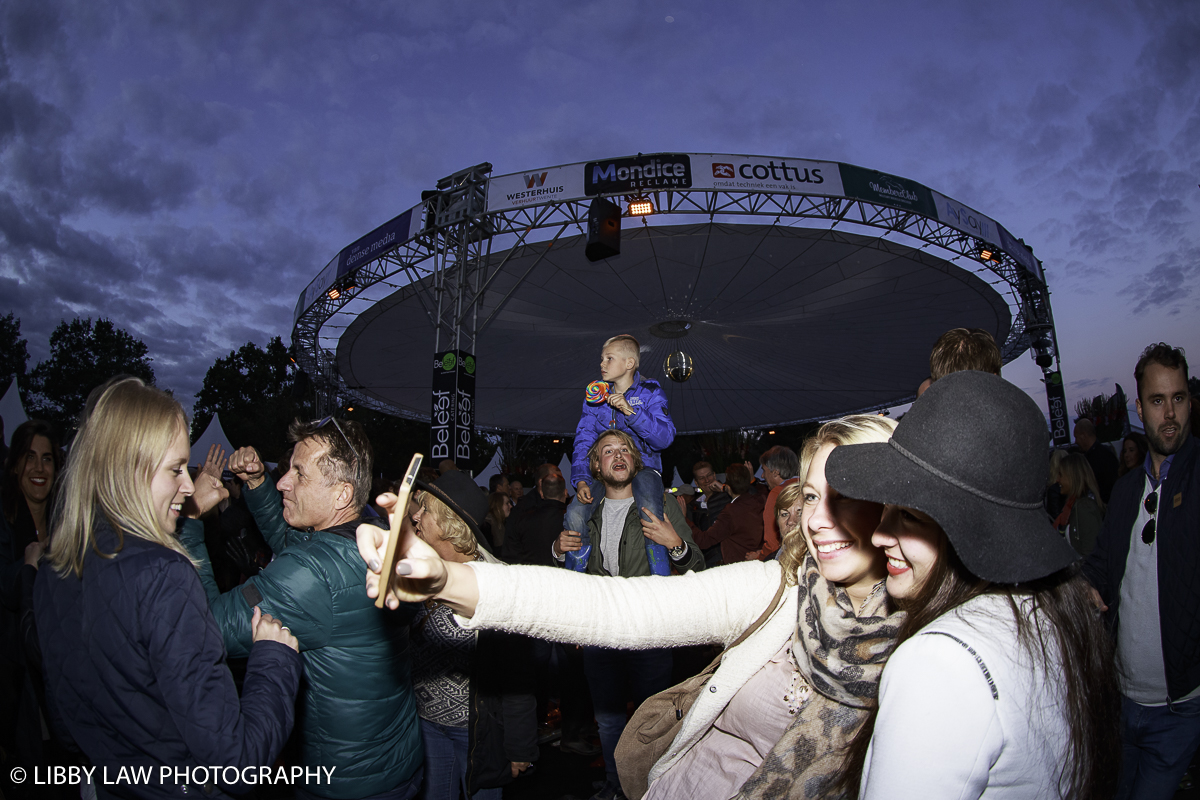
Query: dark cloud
(1166, 285)
(164, 110)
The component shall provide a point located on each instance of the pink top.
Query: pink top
(740, 739)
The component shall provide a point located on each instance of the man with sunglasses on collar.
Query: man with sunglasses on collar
(358, 713)
(1146, 568)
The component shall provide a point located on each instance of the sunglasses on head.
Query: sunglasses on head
(322, 423)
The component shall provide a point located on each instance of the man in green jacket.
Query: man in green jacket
(618, 536)
(357, 713)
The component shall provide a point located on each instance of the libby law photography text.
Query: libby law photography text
(197, 776)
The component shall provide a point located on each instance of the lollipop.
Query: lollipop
(597, 392)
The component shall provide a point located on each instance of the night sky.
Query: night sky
(186, 168)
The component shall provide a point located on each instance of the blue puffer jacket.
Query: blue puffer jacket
(135, 671)
(650, 426)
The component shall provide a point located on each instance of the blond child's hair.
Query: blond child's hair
(628, 345)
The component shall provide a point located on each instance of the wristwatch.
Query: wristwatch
(679, 552)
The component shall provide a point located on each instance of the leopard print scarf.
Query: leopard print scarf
(841, 656)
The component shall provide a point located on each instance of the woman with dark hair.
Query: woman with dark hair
(1003, 683)
(1133, 453)
(133, 661)
(784, 699)
(1083, 512)
(26, 496)
(500, 505)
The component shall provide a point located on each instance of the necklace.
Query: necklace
(798, 690)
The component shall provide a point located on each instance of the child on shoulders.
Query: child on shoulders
(639, 408)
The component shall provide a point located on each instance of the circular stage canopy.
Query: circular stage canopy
(784, 325)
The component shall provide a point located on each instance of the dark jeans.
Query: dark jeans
(617, 677)
(446, 764)
(1157, 744)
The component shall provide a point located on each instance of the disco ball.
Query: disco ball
(679, 366)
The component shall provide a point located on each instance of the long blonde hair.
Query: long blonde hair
(852, 429)
(122, 441)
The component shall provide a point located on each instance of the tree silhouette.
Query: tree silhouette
(13, 352)
(82, 356)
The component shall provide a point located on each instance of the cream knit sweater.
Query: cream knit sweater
(713, 606)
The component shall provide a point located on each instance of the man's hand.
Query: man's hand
(33, 553)
(619, 402)
(568, 541)
(248, 467)
(583, 492)
(660, 531)
(518, 767)
(266, 628)
(753, 556)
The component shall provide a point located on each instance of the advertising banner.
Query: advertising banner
(530, 188)
(318, 287)
(731, 173)
(394, 232)
(886, 190)
(1056, 401)
(655, 172)
(452, 415)
(1023, 255)
(966, 219)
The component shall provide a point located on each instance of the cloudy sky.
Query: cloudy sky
(186, 168)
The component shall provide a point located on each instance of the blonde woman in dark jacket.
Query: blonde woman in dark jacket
(134, 665)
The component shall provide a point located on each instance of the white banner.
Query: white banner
(732, 173)
(530, 188)
(966, 219)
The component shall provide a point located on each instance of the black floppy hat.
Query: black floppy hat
(972, 453)
(460, 494)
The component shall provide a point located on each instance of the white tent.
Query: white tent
(677, 481)
(564, 466)
(493, 468)
(12, 411)
(213, 434)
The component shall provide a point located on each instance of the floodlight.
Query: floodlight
(640, 207)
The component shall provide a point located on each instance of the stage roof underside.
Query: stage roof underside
(787, 325)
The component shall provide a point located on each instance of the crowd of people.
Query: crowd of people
(940, 607)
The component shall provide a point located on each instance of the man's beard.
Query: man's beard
(613, 483)
(1158, 446)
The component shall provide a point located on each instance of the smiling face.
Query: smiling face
(912, 542)
(171, 485)
(35, 472)
(1163, 406)
(837, 530)
(309, 500)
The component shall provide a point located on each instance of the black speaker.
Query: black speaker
(604, 230)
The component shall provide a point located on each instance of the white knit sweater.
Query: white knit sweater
(713, 606)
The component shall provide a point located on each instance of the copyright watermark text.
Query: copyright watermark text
(197, 776)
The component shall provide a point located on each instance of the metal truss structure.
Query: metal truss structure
(447, 265)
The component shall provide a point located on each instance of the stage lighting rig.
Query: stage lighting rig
(640, 206)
